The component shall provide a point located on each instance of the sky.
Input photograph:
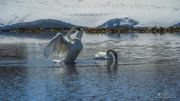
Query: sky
(91, 12)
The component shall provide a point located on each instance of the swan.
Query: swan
(110, 55)
(67, 50)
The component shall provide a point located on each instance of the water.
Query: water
(148, 69)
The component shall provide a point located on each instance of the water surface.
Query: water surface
(148, 69)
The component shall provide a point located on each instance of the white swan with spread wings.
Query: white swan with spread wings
(67, 50)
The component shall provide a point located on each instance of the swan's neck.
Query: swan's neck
(112, 56)
(79, 35)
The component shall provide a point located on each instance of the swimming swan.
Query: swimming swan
(110, 55)
(67, 50)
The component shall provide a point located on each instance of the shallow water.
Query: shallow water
(148, 69)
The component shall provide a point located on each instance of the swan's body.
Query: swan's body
(110, 55)
(66, 50)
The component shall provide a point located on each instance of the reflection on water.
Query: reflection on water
(13, 51)
(112, 68)
(147, 69)
(12, 83)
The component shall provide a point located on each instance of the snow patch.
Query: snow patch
(119, 22)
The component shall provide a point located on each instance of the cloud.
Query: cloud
(160, 12)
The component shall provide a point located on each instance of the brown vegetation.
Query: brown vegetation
(103, 30)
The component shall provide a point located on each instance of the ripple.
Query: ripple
(148, 65)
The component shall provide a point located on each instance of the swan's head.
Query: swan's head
(78, 31)
(112, 56)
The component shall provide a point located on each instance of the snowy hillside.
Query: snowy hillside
(44, 23)
(117, 22)
(91, 12)
(177, 25)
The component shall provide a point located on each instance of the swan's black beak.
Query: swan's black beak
(73, 31)
(78, 29)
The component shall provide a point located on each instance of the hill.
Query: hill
(42, 23)
(119, 22)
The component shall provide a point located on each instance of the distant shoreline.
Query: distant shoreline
(101, 30)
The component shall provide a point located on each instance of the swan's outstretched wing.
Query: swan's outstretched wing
(57, 47)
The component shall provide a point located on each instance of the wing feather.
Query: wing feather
(57, 47)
